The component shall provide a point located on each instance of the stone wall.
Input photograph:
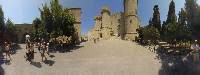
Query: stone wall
(122, 25)
(131, 19)
(76, 12)
(117, 24)
(21, 30)
(106, 22)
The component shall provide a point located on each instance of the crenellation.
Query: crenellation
(120, 24)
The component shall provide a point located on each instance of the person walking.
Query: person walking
(47, 49)
(27, 38)
(42, 51)
(30, 53)
(8, 50)
(195, 51)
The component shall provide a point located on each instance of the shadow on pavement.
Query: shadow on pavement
(6, 62)
(15, 47)
(2, 71)
(49, 62)
(64, 49)
(177, 64)
(36, 64)
(51, 56)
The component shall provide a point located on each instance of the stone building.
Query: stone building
(76, 12)
(122, 25)
(21, 30)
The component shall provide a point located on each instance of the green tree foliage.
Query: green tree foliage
(10, 25)
(2, 23)
(171, 32)
(10, 30)
(38, 30)
(171, 29)
(193, 15)
(36, 23)
(7, 29)
(57, 21)
(156, 18)
(183, 28)
(171, 17)
(152, 31)
(140, 31)
(149, 33)
(170, 26)
(47, 18)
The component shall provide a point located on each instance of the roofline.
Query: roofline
(74, 8)
(24, 24)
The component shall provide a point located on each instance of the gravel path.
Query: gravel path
(109, 57)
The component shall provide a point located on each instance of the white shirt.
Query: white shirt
(195, 47)
(27, 37)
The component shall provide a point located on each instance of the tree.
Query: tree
(47, 18)
(156, 18)
(10, 30)
(171, 17)
(192, 9)
(171, 32)
(2, 24)
(169, 27)
(57, 21)
(151, 33)
(36, 23)
(163, 31)
(10, 25)
(183, 28)
(37, 26)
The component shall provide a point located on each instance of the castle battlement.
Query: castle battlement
(120, 24)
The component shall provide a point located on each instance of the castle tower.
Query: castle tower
(76, 12)
(131, 19)
(106, 22)
(98, 26)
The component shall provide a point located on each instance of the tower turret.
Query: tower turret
(131, 19)
(106, 22)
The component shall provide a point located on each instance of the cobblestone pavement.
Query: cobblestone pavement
(109, 57)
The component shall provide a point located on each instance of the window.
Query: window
(130, 21)
(118, 20)
(100, 35)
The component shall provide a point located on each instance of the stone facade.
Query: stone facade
(21, 30)
(131, 19)
(76, 12)
(122, 25)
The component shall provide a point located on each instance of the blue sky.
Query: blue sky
(24, 11)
